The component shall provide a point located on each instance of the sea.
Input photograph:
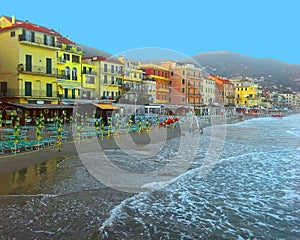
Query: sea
(249, 189)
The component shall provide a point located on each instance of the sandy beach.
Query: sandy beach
(13, 162)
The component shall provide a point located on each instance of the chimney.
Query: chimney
(13, 21)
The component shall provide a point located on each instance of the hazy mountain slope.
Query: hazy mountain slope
(271, 72)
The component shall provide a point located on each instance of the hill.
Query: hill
(271, 73)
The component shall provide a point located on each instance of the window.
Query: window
(67, 73)
(28, 88)
(73, 93)
(183, 99)
(28, 36)
(112, 80)
(48, 40)
(48, 66)
(182, 90)
(183, 81)
(28, 60)
(66, 57)
(13, 33)
(75, 58)
(74, 73)
(3, 88)
(112, 68)
(66, 93)
(90, 79)
(105, 67)
(105, 79)
(183, 72)
(49, 90)
(84, 70)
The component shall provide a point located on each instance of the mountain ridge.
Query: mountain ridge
(271, 73)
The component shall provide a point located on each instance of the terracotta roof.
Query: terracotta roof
(37, 28)
(101, 58)
(219, 79)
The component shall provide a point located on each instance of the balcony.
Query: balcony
(36, 41)
(165, 90)
(69, 48)
(31, 94)
(92, 73)
(39, 70)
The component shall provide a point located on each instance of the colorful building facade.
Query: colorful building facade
(28, 56)
(186, 83)
(157, 83)
(109, 84)
(225, 91)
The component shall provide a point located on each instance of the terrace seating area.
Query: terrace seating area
(25, 138)
(34, 138)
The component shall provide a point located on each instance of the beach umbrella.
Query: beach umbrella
(1, 124)
(109, 126)
(59, 133)
(16, 133)
(38, 130)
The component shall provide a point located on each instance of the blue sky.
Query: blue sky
(256, 28)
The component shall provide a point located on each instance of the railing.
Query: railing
(37, 40)
(93, 73)
(108, 70)
(41, 70)
(32, 93)
(69, 47)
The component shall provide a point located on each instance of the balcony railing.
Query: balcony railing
(93, 73)
(36, 40)
(40, 70)
(32, 93)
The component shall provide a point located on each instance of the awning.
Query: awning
(106, 106)
(39, 106)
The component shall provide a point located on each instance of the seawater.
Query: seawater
(251, 191)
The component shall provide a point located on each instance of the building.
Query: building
(89, 80)
(225, 91)
(69, 77)
(209, 91)
(247, 93)
(133, 85)
(28, 56)
(109, 83)
(156, 80)
(186, 81)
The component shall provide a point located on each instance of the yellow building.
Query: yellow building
(28, 57)
(69, 82)
(109, 84)
(133, 86)
(246, 93)
(89, 80)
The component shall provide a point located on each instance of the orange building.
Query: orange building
(186, 83)
(225, 93)
(160, 76)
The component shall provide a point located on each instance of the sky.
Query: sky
(255, 28)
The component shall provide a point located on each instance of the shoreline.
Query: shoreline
(10, 163)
